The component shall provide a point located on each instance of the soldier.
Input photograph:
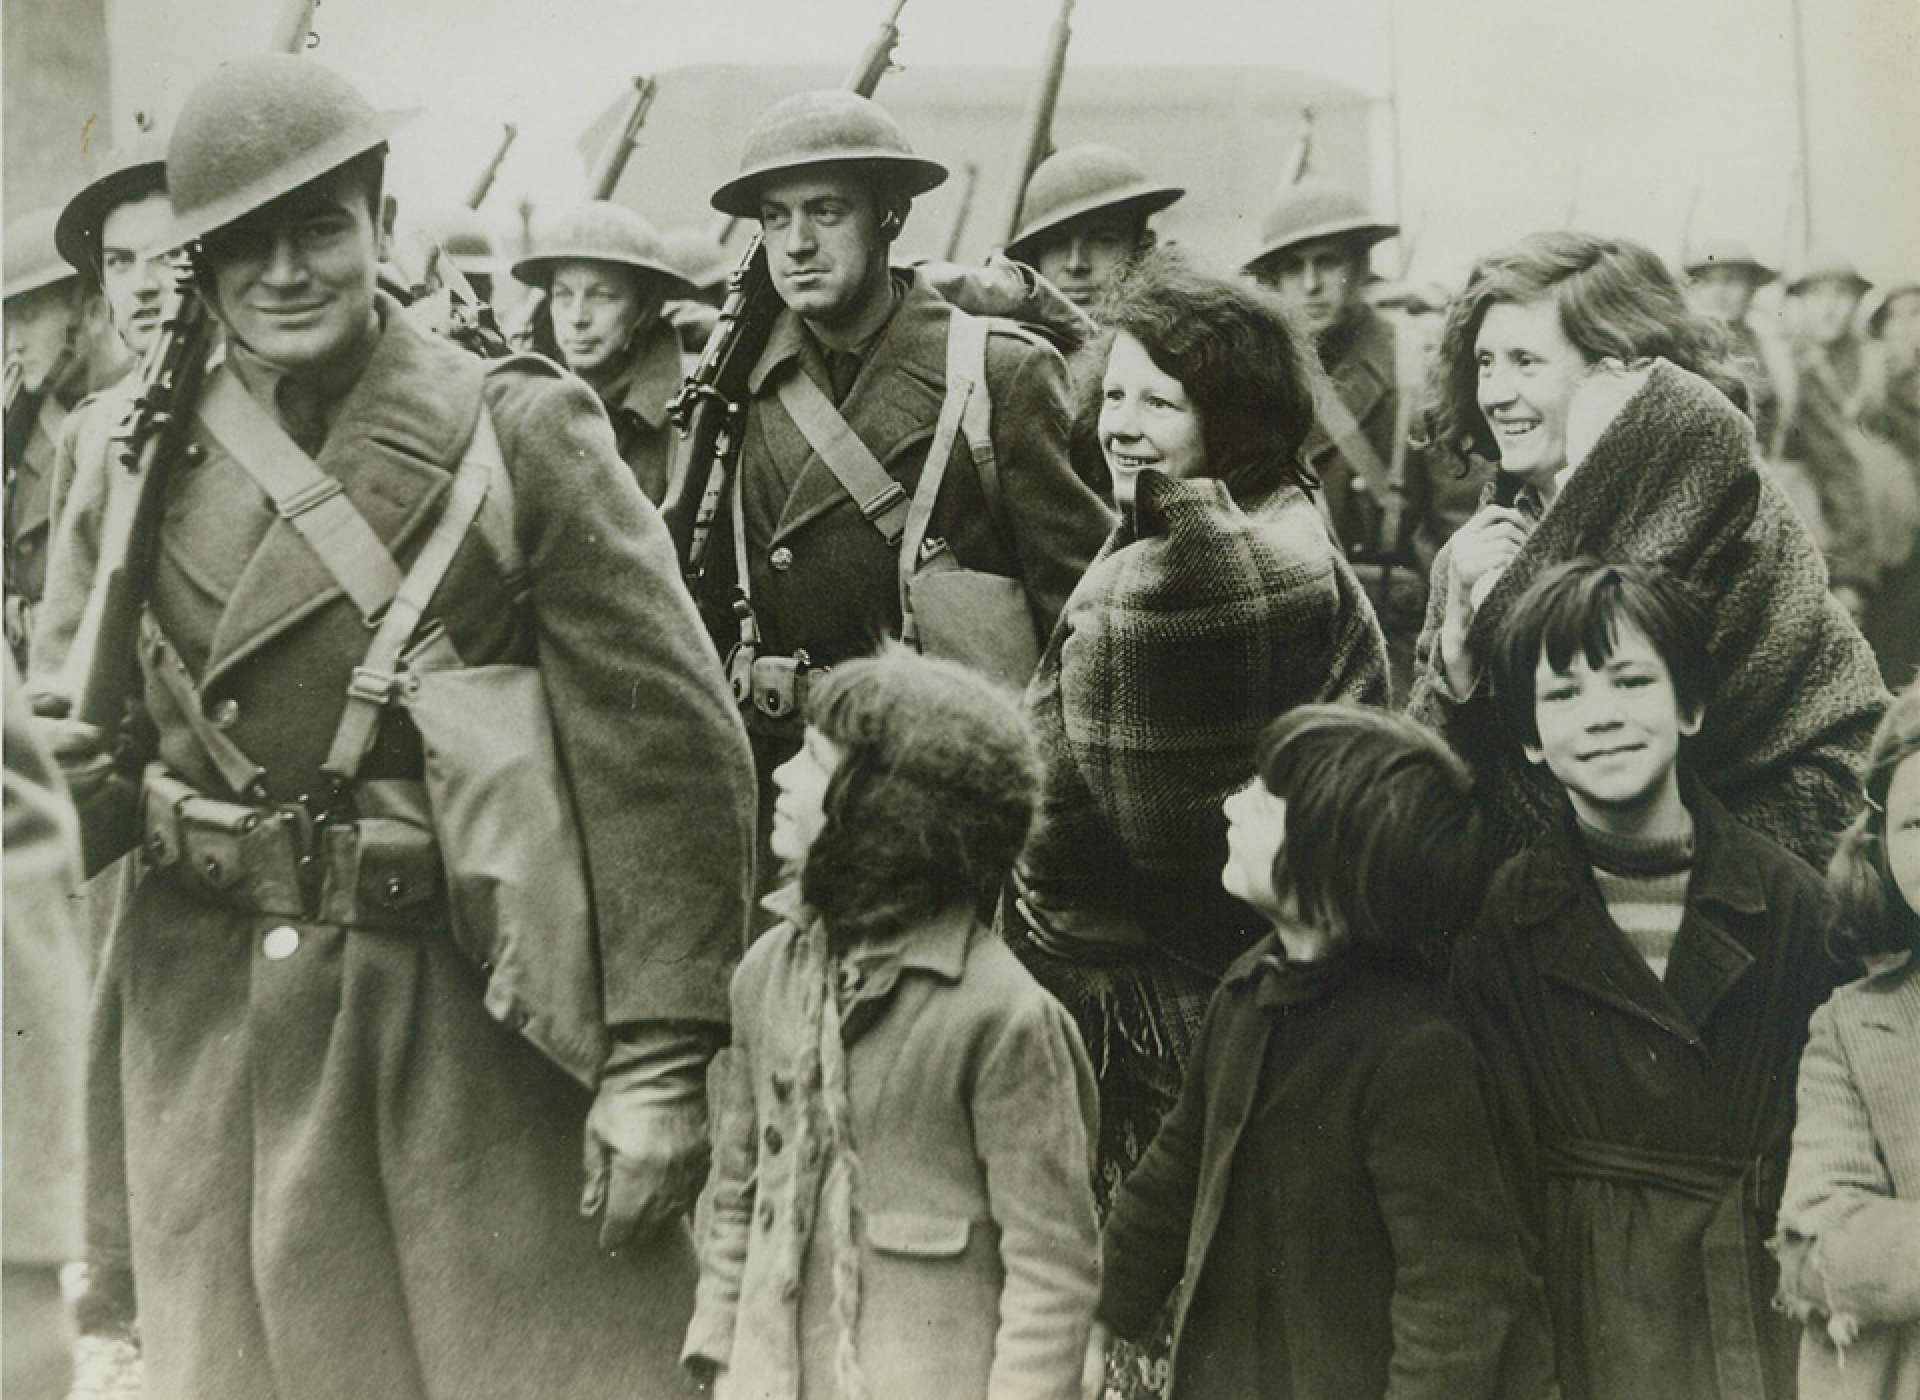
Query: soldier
(1085, 216)
(106, 233)
(605, 276)
(46, 374)
(1722, 279)
(1389, 510)
(803, 570)
(346, 1176)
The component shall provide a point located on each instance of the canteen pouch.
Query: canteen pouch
(515, 871)
(976, 618)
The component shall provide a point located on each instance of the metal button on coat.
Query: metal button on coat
(280, 943)
(781, 559)
(773, 1139)
(225, 714)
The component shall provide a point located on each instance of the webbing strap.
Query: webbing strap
(309, 500)
(1382, 482)
(374, 678)
(966, 361)
(243, 777)
(879, 496)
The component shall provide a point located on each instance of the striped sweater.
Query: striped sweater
(1644, 883)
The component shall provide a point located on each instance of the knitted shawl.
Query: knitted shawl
(1198, 622)
(1667, 474)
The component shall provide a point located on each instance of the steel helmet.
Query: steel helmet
(1883, 298)
(464, 236)
(824, 129)
(31, 259)
(134, 171)
(260, 128)
(1081, 180)
(1728, 252)
(1826, 266)
(1315, 208)
(601, 231)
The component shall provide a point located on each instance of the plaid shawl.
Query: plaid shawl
(1667, 475)
(1198, 622)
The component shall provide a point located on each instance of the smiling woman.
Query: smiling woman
(1620, 431)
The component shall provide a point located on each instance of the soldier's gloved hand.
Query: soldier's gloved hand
(647, 1147)
(83, 751)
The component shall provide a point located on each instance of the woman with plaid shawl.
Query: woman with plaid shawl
(1217, 603)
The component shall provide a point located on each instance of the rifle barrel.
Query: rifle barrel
(1036, 124)
(606, 176)
(478, 194)
(294, 24)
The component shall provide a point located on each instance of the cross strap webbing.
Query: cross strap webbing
(313, 503)
(879, 496)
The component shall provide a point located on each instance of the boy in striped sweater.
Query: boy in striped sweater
(1639, 983)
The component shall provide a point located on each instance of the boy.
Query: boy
(1639, 983)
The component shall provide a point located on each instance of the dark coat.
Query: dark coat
(1383, 1258)
(346, 1177)
(1625, 1105)
(636, 405)
(1361, 362)
(970, 1105)
(823, 578)
(1670, 477)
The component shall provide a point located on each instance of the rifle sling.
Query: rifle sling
(246, 779)
(966, 372)
(879, 497)
(309, 500)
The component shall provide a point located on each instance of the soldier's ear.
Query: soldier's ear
(389, 212)
(893, 214)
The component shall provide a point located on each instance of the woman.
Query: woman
(605, 274)
(1849, 1240)
(1216, 604)
(1573, 362)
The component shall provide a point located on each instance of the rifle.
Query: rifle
(1303, 149)
(1036, 124)
(294, 27)
(969, 177)
(478, 194)
(613, 164)
(711, 404)
(152, 436)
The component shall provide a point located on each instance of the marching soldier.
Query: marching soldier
(1387, 509)
(346, 1175)
(605, 275)
(106, 233)
(803, 570)
(1084, 218)
(46, 374)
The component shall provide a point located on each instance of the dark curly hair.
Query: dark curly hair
(1616, 299)
(1384, 838)
(933, 796)
(1249, 371)
(1873, 916)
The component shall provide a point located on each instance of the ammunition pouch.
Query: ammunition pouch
(369, 871)
(772, 686)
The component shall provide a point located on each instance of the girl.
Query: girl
(902, 1202)
(1849, 1240)
(1325, 1192)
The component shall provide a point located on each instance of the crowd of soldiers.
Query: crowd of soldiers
(301, 1062)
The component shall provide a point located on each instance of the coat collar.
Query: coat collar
(1890, 995)
(891, 406)
(395, 438)
(936, 945)
(652, 377)
(1574, 942)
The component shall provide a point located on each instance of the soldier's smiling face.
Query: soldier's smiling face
(825, 248)
(295, 278)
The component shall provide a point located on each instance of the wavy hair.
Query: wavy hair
(1248, 369)
(1874, 918)
(1384, 838)
(1616, 299)
(933, 796)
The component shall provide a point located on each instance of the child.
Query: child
(1324, 1192)
(902, 1201)
(1639, 983)
(1849, 1241)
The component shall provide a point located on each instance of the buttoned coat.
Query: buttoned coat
(1856, 1158)
(972, 1110)
(346, 1177)
(823, 579)
(1611, 1087)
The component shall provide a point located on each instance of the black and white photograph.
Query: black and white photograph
(960, 700)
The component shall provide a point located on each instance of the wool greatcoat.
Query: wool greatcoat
(1646, 1121)
(346, 1178)
(636, 404)
(1667, 474)
(823, 580)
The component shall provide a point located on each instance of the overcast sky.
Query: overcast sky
(1514, 113)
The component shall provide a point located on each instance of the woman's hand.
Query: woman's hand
(1479, 551)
